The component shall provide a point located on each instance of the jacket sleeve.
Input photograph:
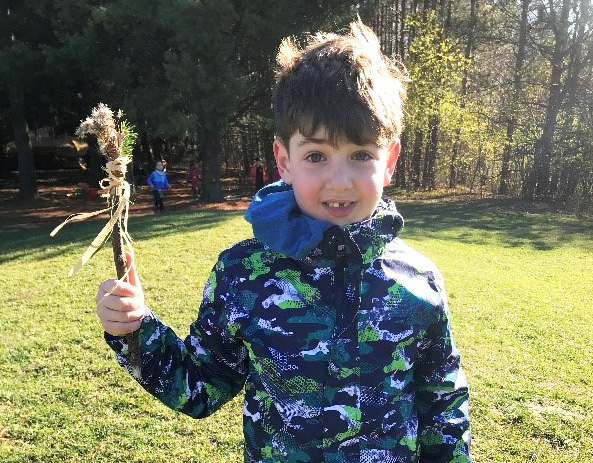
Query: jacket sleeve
(150, 182)
(442, 392)
(196, 376)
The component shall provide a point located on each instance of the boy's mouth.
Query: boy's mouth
(337, 205)
(339, 209)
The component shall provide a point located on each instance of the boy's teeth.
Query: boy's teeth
(338, 204)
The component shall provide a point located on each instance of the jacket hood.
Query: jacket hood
(279, 224)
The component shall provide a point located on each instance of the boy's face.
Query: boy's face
(159, 166)
(340, 184)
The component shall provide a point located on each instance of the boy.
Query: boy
(158, 183)
(337, 330)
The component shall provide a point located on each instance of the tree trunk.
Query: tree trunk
(26, 163)
(402, 18)
(540, 178)
(245, 158)
(539, 183)
(469, 48)
(430, 160)
(503, 188)
(400, 169)
(416, 160)
(212, 189)
(454, 157)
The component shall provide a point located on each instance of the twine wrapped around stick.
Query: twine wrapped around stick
(117, 187)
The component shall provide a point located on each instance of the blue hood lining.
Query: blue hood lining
(279, 224)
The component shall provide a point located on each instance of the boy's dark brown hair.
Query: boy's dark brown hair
(342, 83)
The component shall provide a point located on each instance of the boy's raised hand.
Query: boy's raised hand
(120, 305)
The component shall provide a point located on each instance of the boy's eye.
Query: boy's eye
(315, 157)
(361, 156)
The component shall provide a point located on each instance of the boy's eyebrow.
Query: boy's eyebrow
(324, 141)
(318, 141)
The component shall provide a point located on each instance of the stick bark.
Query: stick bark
(119, 258)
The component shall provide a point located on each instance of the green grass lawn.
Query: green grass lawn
(520, 289)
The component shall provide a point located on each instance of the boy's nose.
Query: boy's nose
(340, 177)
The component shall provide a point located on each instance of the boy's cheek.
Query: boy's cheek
(286, 178)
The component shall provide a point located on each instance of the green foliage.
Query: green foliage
(197, 76)
(435, 65)
(129, 139)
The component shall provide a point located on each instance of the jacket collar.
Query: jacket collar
(279, 224)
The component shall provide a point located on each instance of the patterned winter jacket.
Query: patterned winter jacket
(345, 355)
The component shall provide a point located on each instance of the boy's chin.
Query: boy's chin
(343, 221)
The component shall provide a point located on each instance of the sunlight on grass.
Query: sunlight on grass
(520, 293)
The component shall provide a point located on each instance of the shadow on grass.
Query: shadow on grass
(490, 220)
(19, 244)
(478, 222)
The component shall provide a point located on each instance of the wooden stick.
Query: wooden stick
(119, 258)
(116, 145)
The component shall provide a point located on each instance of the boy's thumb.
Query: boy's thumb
(131, 265)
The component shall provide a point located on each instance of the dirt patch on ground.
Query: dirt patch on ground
(60, 195)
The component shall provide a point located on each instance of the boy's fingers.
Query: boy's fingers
(127, 305)
(117, 288)
(120, 304)
(120, 315)
(107, 314)
(113, 316)
(132, 275)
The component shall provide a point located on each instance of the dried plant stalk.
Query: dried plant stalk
(101, 123)
(116, 144)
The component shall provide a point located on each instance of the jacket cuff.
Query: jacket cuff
(119, 344)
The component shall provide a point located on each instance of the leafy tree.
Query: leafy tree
(220, 69)
(512, 107)
(569, 49)
(435, 65)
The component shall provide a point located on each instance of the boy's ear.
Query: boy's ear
(282, 160)
(392, 156)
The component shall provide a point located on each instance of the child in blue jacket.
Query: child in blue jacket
(337, 331)
(158, 183)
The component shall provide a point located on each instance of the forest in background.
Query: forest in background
(500, 97)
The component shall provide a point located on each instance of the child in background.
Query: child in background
(158, 183)
(194, 177)
(338, 331)
(258, 175)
